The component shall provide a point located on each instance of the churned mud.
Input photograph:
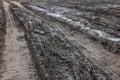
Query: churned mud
(96, 26)
(59, 41)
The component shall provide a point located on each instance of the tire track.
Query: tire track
(18, 63)
(48, 43)
(105, 60)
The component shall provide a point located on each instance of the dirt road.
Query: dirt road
(18, 63)
(47, 41)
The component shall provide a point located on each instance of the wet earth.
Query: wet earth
(59, 41)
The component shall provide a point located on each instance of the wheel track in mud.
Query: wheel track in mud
(63, 64)
(102, 32)
(93, 52)
(15, 42)
(17, 60)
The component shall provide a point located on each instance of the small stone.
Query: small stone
(42, 32)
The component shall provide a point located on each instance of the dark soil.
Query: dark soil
(66, 40)
(95, 20)
(56, 58)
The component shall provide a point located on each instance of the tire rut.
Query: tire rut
(18, 62)
(92, 50)
(57, 58)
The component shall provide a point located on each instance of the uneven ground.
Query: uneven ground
(2, 37)
(18, 62)
(65, 41)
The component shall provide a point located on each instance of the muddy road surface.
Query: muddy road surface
(17, 60)
(65, 41)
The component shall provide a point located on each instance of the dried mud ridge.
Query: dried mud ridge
(64, 41)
